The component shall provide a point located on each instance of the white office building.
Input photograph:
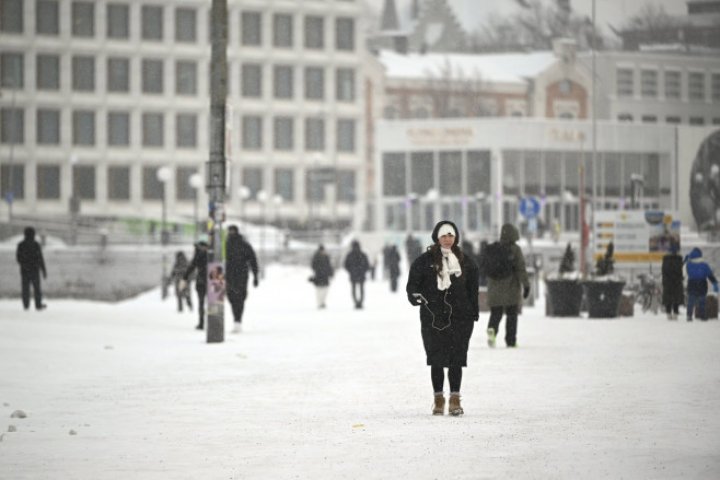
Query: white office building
(97, 96)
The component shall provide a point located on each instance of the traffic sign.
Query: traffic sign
(529, 207)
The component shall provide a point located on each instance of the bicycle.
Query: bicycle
(649, 295)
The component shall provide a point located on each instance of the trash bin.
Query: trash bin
(564, 297)
(603, 297)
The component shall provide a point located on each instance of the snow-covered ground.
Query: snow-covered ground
(342, 393)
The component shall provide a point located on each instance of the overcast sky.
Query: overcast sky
(473, 12)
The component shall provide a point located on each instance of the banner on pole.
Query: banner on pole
(637, 235)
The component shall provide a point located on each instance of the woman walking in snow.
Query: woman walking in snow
(322, 273)
(444, 284)
(182, 286)
(672, 282)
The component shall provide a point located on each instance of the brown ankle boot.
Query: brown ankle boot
(454, 407)
(439, 406)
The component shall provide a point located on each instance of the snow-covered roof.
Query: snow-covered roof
(504, 67)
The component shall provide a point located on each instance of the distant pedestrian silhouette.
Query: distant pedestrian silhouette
(29, 256)
(322, 273)
(199, 263)
(393, 266)
(357, 265)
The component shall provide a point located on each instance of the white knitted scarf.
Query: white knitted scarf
(451, 266)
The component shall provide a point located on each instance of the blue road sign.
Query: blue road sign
(529, 207)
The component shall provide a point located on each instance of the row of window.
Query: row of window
(672, 82)
(48, 130)
(670, 119)
(82, 24)
(84, 182)
(152, 78)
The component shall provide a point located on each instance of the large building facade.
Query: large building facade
(97, 96)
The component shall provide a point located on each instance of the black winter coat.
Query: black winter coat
(357, 265)
(29, 256)
(672, 280)
(199, 262)
(393, 262)
(322, 270)
(239, 259)
(455, 308)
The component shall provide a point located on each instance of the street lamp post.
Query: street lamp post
(243, 194)
(480, 198)
(262, 197)
(432, 197)
(195, 181)
(163, 176)
(277, 202)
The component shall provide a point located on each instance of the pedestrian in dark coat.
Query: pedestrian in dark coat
(444, 283)
(482, 276)
(698, 275)
(672, 282)
(322, 273)
(413, 249)
(504, 295)
(199, 263)
(393, 266)
(182, 286)
(239, 260)
(29, 256)
(357, 265)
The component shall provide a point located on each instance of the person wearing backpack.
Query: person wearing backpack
(504, 266)
(443, 283)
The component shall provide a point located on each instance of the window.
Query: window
(393, 174)
(12, 181)
(346, 135)
(118, 126)
(314, 134)
(314, 83)
(345, 34)
(11, 16)
(48, 182)
(625, 117)
(83, 19)
(314, 33)
(13, 125)
(284, 138)
(84, 182)
(12, 69)
(284, 183)
(185, 25)
(48, 72)
(673, 119)
(251, 28)
(696, 86)
(625, 87)
(612, 166)
(672, 85)
(422, 172)
(648, 83)
(46, 17)
(183, 189)
(478, 172)
(185, 77)
(152, 22)
(83, 74)
(252, 178)
(48, 127)
(252, 132)
(450, 173)
(153, 189)
(251, 74)
(118, 21)
(118, 74)
(345, 84)
(283, 81)
(152, 76)
(697, 121)
(118, 186)
(153, 127)
(649, 119)
(715, 87)
(186, 130)
(282, 30)
(346, 186)
(84, 128)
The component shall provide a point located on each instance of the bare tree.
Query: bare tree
(455, 93)
(652, 18)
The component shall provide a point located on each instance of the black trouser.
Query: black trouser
(237, 297)
(358, 292)
(511, 318)
(183, 295)
(201, 293)
(437, 375)
(672, 307)
(27, 279)
(393, 283)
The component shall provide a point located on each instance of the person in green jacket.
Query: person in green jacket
(504, 294)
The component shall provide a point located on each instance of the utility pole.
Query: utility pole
(216, 168)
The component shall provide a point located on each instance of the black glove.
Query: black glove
(255, 281)
(526, 292)
(413, 301)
